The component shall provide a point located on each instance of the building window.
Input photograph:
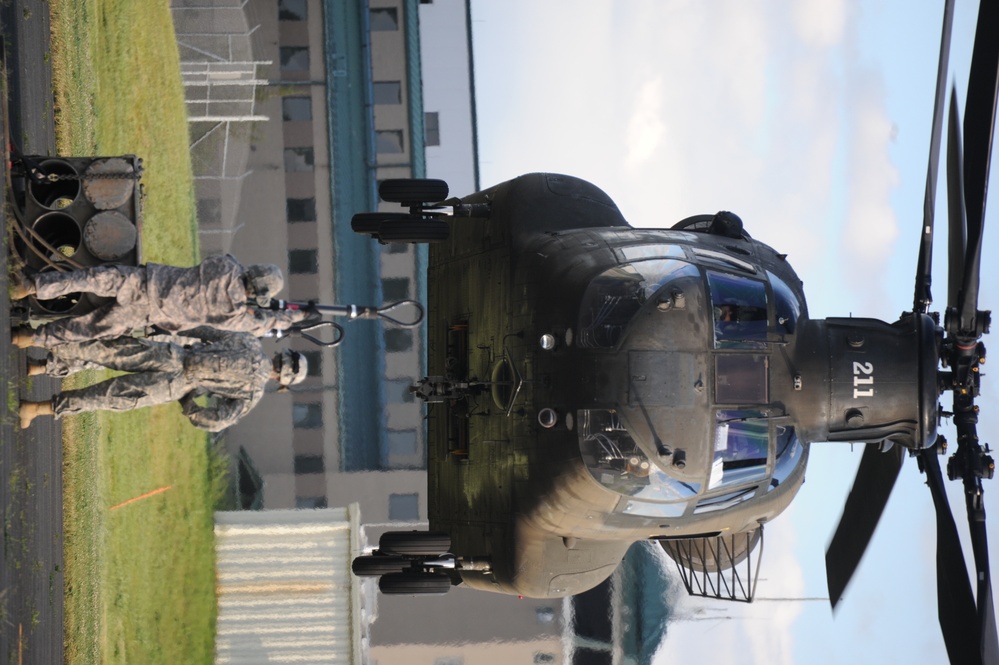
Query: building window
(384, 18)
(398, 390)
(315, 361)
(298, 159)
(296, 108)
(293, 10)
(303, 261)
(309, 464)
(388, 141)
(388, 92)
(307, 416)
(301, 210)
(402, 443)
(294, 58)
(310, 502)
(404, 507)
(398, 339)
(432, 128)
(395, 289)
(542, 657)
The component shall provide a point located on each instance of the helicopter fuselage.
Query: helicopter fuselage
(616, 384)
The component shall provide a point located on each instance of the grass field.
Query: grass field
(140, 577)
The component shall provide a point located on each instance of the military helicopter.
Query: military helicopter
(593, 384)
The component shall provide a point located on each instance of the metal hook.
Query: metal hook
(301, 332)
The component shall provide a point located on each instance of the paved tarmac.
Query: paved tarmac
(31, 556)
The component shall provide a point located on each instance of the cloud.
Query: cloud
(645, 127)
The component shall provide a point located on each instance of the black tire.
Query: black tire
(414, 230)
(414, 543)
(370, 223)
(412, 192)
(412, 582)
(378, 564)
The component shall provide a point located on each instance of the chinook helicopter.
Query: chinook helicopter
(592, 384)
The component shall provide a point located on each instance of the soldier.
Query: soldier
(230, 368)
(219, 293)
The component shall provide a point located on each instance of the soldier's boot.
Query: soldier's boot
(21, 338)
(28, 411)
(21, 287)
(36, 367)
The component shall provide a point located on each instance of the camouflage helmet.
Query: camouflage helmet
(294, 367)
(265, 281)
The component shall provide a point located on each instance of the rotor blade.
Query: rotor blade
(922, 298)
(979, 125)
(986, 610)
(955, 604)
(956, 224)
(867, 499)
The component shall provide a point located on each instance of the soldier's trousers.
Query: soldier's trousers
(158, 378)
(129, 310)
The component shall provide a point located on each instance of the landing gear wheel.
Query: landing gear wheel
(374, 565)
(411, 582)
(414, 230)
(370, 223)
(412, 191)
(414, 543)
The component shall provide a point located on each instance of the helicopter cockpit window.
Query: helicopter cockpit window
(724, 501)
(739, 306)
(614, 297)
(640, 252)
(616, 461)
(787, 305)
(789, 452)
(742, 438)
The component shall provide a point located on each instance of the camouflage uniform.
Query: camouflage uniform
(231, 368)
(213, 293)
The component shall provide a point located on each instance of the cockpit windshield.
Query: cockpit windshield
(614, 297)
(739, 307)
(789, 452)
(786, 303)
(742, 439)
(616, 461)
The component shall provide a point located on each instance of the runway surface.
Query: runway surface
(31, 558)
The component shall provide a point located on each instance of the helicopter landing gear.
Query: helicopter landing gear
(414, 230)
(374, 565)
(425, 221)
(414, 543)
(414, 582)
(413, 562)
(412, 192)
(370, 223)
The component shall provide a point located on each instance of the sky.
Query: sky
(811, 120)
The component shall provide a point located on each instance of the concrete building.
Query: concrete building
(354, 92)
(340, 86)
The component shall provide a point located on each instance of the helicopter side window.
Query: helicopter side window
(788, 305)
(614, 297)
(640, 252)
(724, 501)
(617, 462)
(739, 308)
(742, 438)
(789, 454)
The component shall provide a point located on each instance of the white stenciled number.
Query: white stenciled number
(863, 375)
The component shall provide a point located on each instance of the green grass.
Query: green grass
(140, 582)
